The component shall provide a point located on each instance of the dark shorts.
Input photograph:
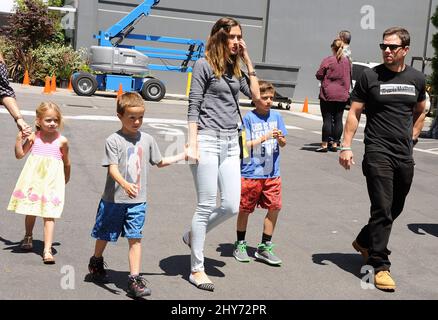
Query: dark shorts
(263, 193)
(115, 219)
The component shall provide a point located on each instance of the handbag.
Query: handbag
(241, 130)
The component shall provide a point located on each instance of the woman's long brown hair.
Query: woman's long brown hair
(217, 53)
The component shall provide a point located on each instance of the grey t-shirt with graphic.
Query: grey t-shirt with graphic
(131, 155)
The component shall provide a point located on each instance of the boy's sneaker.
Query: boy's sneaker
(264, 252)
(96, 267)
(240, 251)
(137, 287)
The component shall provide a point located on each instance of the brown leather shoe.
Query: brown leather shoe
(383, 281)
(363, 251)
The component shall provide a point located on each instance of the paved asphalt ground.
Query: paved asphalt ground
(324, 207)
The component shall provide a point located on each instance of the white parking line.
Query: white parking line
(293, 127)
(433, 151)
(105, 118)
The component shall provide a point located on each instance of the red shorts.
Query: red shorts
(263, 193)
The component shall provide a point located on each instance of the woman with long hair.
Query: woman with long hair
(213, 117)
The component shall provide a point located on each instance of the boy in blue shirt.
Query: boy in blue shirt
(261, 181)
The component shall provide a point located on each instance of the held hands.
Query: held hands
(346, 159)
(192, 153)
(25, 129)
(22, 136)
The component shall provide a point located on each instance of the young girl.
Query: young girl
(40, 188)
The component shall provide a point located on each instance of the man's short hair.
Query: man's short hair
(129, 100)
(402, 33)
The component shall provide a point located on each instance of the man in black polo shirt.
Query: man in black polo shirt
(394, 96)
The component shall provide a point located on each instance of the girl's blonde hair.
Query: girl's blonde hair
(337, 46)
(217, 53)
(46, 106)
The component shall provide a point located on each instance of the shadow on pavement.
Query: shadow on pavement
(350, 262)
(311, 146)
(117, 278)
(226, 250)
(423, 228)
(180, 265)
(38, 246)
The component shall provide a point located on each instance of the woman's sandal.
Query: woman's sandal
(48, 257)
(208, 286)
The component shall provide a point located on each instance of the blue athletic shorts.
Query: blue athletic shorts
(115, 219)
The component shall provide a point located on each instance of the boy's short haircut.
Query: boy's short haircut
(129, 100)
(266, 86)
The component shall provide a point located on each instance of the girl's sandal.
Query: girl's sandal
(48, 257)
(26, 243)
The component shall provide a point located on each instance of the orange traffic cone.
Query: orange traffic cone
(120, 92)
(53, 84)
(306, 106)
(47, 86)
(26, 80)
(70, 86)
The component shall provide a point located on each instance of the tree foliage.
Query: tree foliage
(433, 131)
(434, 76)
(30, 26)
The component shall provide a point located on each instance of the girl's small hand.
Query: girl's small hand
(25, 134)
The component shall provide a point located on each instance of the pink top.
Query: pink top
(41, 148)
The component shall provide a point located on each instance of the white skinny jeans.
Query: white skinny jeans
(218, 166)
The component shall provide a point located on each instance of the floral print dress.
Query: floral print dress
(40, 188)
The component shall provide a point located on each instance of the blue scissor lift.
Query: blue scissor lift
(116, 64)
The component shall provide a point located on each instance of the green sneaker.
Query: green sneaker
(264, 252)
(240, 251)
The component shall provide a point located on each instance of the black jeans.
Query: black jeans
(332, 127)
(388, 183)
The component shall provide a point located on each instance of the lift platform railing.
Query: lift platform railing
(116, 34)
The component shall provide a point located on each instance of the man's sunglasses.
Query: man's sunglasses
(391, 47)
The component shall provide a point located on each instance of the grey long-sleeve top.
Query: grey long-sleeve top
(211, 104)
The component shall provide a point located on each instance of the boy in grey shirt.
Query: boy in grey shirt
(122, 209)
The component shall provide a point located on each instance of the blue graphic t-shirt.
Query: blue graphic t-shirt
(264, 160)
